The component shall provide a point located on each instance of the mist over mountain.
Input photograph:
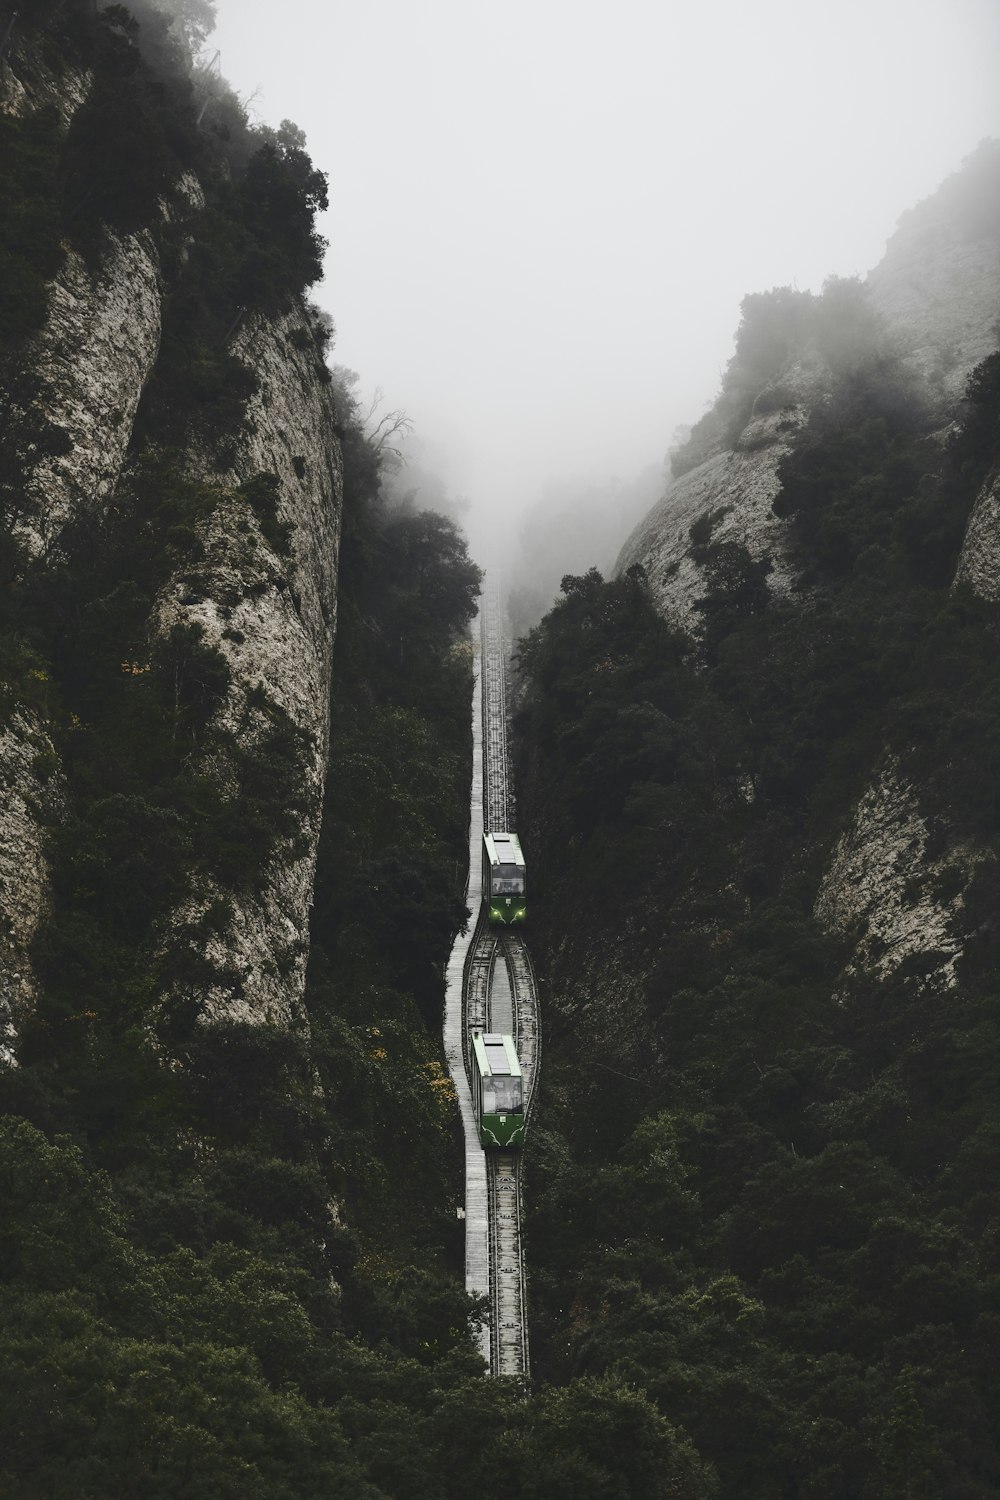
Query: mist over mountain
(546, 215)
(573, 527)
(757, 762)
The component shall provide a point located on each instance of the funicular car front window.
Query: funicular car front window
(501, 1096)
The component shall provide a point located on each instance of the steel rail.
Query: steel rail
(479, 965)
(508, 1321)
(527, 1033)
(498, 801)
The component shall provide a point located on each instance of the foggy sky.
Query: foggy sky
(544, 215)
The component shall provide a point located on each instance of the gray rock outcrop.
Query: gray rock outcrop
(273, 617)
(29, 796)
(979, 560)
(938, 289)
(736, 489)
(936, 293)
(270, 611)
(882, 887)
(93, 357)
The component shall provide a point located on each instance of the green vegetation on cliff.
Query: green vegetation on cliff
(220, 1276)
(231, 1260)
(230, 1249)
(760, 1184)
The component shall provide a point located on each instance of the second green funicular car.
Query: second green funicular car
(498, 1089)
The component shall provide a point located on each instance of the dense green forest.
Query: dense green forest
(762, 1184)
(231, 1260)
(763, 1233)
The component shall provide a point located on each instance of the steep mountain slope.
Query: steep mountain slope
(938, 284)
(926, 315)
(143, 359)
(935, 296)
(230, 844)
(758, 786)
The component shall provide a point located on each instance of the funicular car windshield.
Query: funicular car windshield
(508, 880)
(501, 1096)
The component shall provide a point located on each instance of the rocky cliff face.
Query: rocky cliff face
(29, 83)
(273, 618)
(93, 357)
(734, 488)
(884, 887)
(979, 564)
(269, 606)
(29, 795)
(936, 294)
(938, 288)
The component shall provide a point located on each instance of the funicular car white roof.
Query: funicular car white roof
(496, 1055)
(504, 849)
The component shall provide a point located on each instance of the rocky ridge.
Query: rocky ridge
(89, 311)
(735, 488)
(883, 886)
(30, 799)
(979, 562)
(938, 289)
(93, 356)
(937, 292)
(272, 616)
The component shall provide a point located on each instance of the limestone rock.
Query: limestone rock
(102, 333)
(273, 618)
(29, 794)
(28, 84)
(737, 487)
(94, 356)
(979, 561)
(881, 884)
(937, 292)
(269, 610)
(938, 288)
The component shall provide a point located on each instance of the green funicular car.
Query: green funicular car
(503, 879)
(498, 1090)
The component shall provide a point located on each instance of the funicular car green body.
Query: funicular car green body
(498, 1089)
(503, 879)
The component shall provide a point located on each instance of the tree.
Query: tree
(432, 561)
(597, 1438)
(193, 19)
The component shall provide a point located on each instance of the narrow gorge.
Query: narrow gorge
(753, 1229)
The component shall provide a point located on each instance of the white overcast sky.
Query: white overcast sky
(544, 215)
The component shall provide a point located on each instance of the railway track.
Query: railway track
(479, 978)
(491, 987)
(508, 1314)
(498, 809)
(488, 951)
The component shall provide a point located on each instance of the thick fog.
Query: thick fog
(544, 215)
